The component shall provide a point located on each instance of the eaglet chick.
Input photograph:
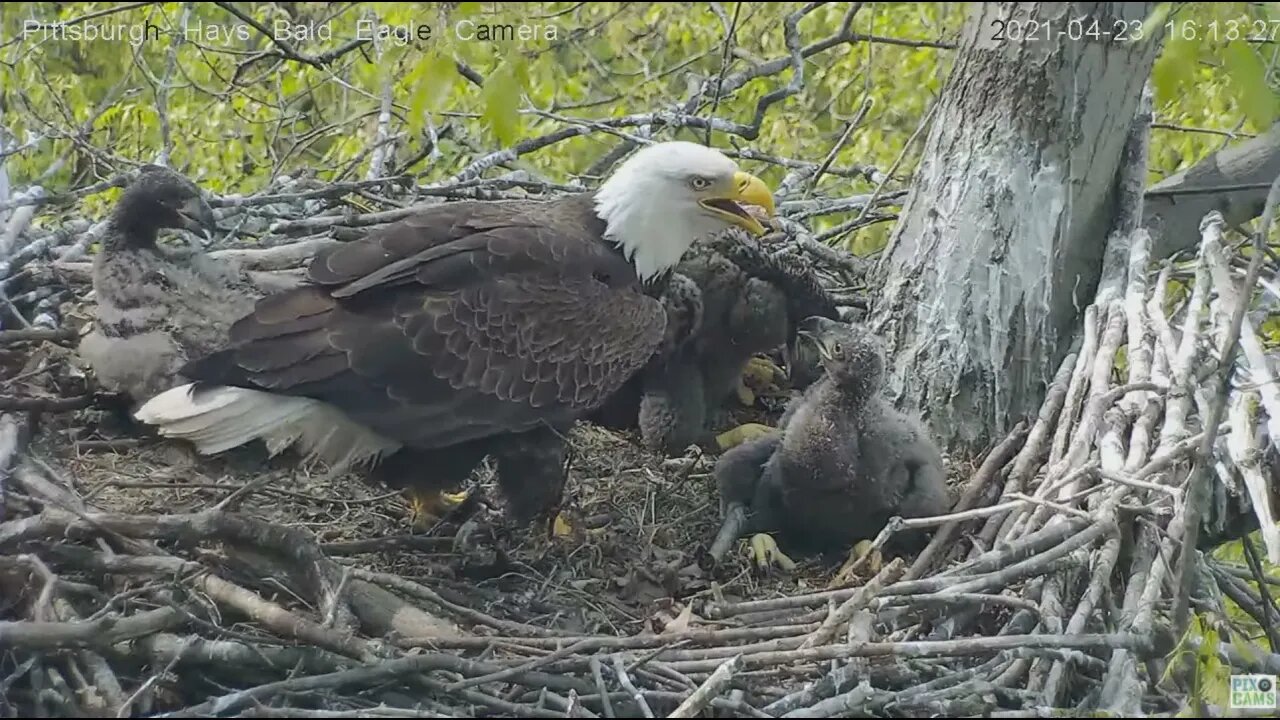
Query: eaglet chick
(844, 462)
(667, 372)
(742, 316)
(158, 307)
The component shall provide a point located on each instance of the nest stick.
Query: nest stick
(735, 524)
(360, 676)
(597, 675)
(708, 690)
(965, 647)
(103, 632)
(1078, 387)
(620, 671)
(861, 599)
(10, 337)
(994, 462)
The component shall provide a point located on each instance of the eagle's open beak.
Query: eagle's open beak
(747, 190)
(198, 217)
(817, 330)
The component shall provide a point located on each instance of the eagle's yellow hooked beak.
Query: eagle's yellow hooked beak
(747, 190)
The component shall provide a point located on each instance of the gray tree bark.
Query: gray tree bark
(1001, 239)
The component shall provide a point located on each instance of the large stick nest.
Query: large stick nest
(141, 580)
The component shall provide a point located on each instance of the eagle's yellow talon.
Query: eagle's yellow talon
(741, 434)
(765, 553)
(453, 500)
(426, 508)
(560, 527)
(864, 549)
(867, 548)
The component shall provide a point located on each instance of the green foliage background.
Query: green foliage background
(235, 131)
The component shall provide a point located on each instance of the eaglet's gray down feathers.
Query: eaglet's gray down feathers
(158, 307)
(844, 461)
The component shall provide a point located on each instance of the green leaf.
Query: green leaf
(429, 84)
(1271, 331)
(1249, 84)
(1242, 647)
(501, 99)
(1176, 66)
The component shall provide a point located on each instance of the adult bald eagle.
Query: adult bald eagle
(469, 329)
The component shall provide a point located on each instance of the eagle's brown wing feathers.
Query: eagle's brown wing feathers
(439, 330)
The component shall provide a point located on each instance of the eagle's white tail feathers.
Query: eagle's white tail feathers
(227, 417)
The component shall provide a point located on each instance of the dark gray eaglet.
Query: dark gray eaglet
(844, 462)
(726, 317)
(158, 307)
(469, 329)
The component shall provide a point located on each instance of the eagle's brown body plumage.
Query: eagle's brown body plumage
(466, 330)
(470, 323)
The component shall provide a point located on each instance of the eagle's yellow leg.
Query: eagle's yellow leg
(765, 553)
(745, 395)
(863, 550)
(741, 434)
(426, 508)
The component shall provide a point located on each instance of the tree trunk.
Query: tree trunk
(1001, 239)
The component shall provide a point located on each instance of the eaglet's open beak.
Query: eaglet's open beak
(198, 217)
(818, 330)
(747, 190)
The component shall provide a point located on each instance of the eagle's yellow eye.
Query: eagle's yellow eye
(700, 183)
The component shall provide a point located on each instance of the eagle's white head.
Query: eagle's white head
(669, 195)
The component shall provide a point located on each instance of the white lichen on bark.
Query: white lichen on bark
(1001, 238)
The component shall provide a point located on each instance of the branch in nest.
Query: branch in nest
(100, 633)
(624, 679)
(357, 677)
(888, 575)
(13, 436)
(701, 698)
(991, 466)
(1198, 485)
(47, 404)
(9, 337)
(972, 646)
(423, 592)
(376, 607)
(166, 649)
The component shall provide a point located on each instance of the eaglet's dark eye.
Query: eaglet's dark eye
(837, 349)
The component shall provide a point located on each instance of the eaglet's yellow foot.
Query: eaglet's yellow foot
(426, 508)
(864, 554)
(766, 554)
(747, 432)
(762, 375)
